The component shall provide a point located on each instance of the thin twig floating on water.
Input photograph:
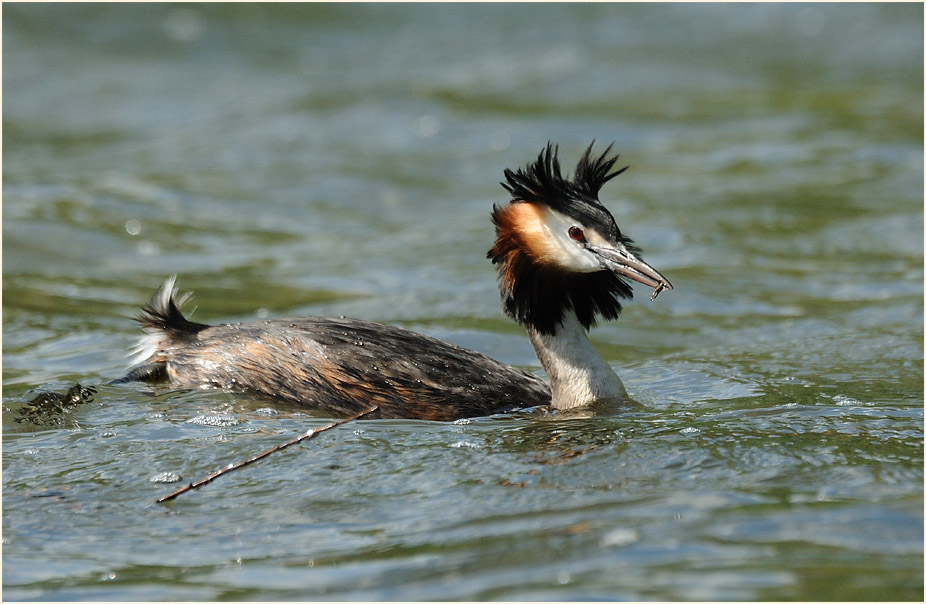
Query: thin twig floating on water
(309, 434)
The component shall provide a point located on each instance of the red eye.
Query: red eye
(577, 234)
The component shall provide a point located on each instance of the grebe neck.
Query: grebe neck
(579, 375)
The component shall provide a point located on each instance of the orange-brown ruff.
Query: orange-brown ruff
(561, 262)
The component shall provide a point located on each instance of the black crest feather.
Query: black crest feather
(593, 173)
(543, 181)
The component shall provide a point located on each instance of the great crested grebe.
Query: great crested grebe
(561, 262)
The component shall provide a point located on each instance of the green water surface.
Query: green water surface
(289, 160)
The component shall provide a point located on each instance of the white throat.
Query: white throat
(579, 375)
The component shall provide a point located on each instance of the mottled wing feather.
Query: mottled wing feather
(346, 365)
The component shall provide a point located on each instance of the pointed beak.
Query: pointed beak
(619, 260)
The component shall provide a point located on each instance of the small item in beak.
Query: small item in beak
(656, 291)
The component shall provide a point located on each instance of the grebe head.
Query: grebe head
(558, 248)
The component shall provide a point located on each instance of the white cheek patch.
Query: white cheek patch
(596, 239)
(562, 249)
